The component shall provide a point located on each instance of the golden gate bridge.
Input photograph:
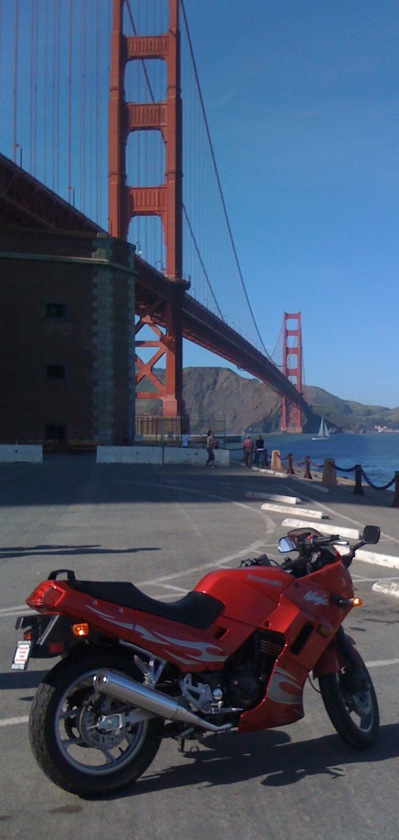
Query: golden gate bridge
(101, 92)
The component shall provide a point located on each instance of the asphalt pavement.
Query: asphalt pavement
(163, 528)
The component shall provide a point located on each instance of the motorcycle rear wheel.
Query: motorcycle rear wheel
(351, 703)
(89, 749)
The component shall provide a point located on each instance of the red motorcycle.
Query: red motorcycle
(234, 653)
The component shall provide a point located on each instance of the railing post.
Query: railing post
(275, 463)
(358, 489)
(329, 472)
(395, 502)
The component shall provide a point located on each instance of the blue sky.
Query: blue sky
(302, 101)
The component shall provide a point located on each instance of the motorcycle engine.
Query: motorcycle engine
(243, 689)
(248, 671)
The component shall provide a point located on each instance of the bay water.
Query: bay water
(377, 453)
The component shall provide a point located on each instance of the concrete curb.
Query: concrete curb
(158, 455)
(12, 453)
(288, 500)
(314, 484)
(317, 514)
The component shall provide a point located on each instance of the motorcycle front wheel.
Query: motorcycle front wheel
(351, 703)
(86, 743)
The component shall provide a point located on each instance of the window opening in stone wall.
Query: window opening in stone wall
(54, 431)
(55, 371)
(55, 310)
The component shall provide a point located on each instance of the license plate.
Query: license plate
(21, 656)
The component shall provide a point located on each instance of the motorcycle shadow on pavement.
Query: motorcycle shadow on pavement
(271, 758)
(21, 680)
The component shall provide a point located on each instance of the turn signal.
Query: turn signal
(356, 602)
(80, 629)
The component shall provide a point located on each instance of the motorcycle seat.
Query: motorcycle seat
(196, 609)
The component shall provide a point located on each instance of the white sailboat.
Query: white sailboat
(323, 433)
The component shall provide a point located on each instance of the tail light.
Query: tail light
(45, 597)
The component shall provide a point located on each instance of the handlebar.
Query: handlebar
(312, 540)
(308, 544)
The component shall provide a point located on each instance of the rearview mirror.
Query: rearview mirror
(286, 544)
(371, 534)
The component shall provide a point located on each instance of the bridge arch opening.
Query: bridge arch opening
(145, 81)
(145, 159)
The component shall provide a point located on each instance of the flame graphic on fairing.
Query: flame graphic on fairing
(125, 624)
(203, 650)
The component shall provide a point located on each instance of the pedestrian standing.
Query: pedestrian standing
(185, 437)
(210, 446)
(248, 446)
(259, 450)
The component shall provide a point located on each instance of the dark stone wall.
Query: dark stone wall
(66, 338)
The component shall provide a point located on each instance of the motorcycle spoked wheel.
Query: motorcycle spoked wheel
(351, 703)
(68, 741)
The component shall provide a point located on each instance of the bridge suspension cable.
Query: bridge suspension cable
(56, 93)
(216, 171)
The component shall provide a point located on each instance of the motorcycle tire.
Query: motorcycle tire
(351, 703)
(66, 736)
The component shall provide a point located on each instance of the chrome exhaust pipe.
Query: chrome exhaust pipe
(130, 691)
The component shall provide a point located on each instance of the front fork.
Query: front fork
(339, 652)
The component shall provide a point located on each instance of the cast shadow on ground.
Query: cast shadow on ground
(270, 759)
(9, 552)
(21, 680)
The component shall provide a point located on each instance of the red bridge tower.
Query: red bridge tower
(291, 420)
(164, 200)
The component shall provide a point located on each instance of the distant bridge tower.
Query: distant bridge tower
(291, 420)
(164, 200)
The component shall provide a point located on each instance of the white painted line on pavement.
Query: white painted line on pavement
(13, 721)
(387, 560)
(14, 610)
(386, 588)
(317, 514)
(350, 533)
(379, 663)
(9, 612)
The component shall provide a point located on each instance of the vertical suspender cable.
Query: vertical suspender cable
(34, 69)
(53, 104)
(1, 47)
(69, 113)
(82, 114)
(55, 135)
(90, 106)
(31, 86)
(15, 84)
(44, 90)
(98, 122)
